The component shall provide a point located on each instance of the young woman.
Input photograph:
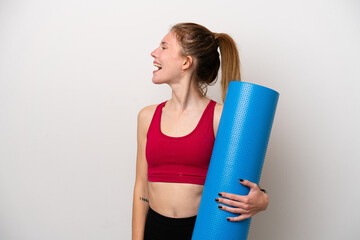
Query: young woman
(176, 137)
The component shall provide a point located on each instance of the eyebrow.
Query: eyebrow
(164, 43)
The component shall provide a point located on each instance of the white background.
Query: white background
(74, 74)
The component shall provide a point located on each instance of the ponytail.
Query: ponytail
(230, 62)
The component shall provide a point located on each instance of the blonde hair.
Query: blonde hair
(202, 44)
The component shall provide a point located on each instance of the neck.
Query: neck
(185, 95)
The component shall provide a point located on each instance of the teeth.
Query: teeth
(158, 66)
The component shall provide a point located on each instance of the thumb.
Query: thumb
(249, 184)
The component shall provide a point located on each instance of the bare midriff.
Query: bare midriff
(176, 200)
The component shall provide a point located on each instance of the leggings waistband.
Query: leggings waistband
(170, 220)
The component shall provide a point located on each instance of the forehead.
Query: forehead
(169, 39)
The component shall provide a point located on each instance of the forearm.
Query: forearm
(140, 209)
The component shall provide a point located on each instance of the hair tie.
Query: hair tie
(216, 38)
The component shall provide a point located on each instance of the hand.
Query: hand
(246, 206)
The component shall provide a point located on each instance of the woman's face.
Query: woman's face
(168, 60)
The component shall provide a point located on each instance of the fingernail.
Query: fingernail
(220, 194)
(219, 206)
(241, 180)
(228, 219)
(216, 199)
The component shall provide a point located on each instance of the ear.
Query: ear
(187, 63)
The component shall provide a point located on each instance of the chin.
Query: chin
(157, 81)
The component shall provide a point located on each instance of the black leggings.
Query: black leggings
(159, 227)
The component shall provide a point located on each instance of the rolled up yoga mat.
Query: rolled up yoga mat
(238, 153)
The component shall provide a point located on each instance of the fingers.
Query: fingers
(238, 218)
(234, 209)
(248, 183)
(241, 198)
(232, 203)
(235, 197)
(243, 214)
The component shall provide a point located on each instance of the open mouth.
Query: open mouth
(158, 66)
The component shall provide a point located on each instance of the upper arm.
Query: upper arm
(143, 123)
(217, 115)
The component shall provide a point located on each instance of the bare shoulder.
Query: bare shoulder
(217, 115)
(147, 112)
(218, 110)
(145, 116)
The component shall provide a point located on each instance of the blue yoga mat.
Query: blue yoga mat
(238, 153)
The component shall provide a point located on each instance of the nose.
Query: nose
(154, 53)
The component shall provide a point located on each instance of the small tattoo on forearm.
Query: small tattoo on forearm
(144, 199)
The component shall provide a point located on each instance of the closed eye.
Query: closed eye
(163, 45)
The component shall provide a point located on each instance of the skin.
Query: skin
(180, 116)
